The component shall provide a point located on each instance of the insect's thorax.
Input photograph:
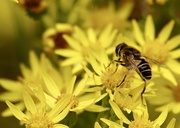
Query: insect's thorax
(130, 54)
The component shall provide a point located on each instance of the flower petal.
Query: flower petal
(111, 38)
(74, 44)
(165, 32)
(77, 68)
(8, 112)
(103, 38)
(91, 35)
(71, 85)
(171, 123)
(26, 72)
(72, 60)
(62, 115)
(137, 33)
(67, 52)
(173, 42)
(97, 125)
(61, 105)
(11, 85)
(118, 112)
(110, 123)
(11, 96)
(60, 126)
(34, 62)
(81, 36)
(173, 65)
(149, 28)
(51, 86)
(162, 117)
(96, 108)
(95, 65)
(81, 85)
(29, 103)
(166, 73)
(16, 112)
(175, 54)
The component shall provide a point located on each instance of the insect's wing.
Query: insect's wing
(132, 63)
(155, 62)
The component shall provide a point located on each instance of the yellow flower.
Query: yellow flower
(167, 94)
(127, 102)
(38, 116)
(35, 6)
(53, 37)
(13, 94)
(29, 75)
(160, 48)
(82, 44)
(141, 119)
(80, 99)
(93, 17)
(106, 74)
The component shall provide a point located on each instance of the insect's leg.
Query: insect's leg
(123, 80)
(117, 64)
(109, 64)
(142, 98)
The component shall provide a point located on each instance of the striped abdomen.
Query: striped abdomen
(144, 69)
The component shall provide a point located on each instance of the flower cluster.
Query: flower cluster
(85, 70)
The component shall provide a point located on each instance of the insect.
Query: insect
(132, 59)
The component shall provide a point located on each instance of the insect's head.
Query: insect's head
(119, 48)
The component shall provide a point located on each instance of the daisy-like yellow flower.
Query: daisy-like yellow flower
(105, 72)
(80, 99)
(35, 6)
(53, 37)
(107, 75)
(167, 94)
(126, 101)
(141, 119)
(85, 43)
(38, 116)
(93, 17)
(29, 75)
(161, 50)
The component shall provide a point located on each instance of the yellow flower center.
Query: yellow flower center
(176, 93)
(114, 75)
(141, 122)
(39, 121)
(74, 100)
(156, 51)
(125, 101)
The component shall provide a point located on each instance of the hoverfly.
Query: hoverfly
(132, 59)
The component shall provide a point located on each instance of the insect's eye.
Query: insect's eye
(118, 49)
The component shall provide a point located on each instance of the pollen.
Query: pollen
(125, 101)
(114, 75)
(160, 51)
(74, 100)
(141, 122)
(39, 121)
